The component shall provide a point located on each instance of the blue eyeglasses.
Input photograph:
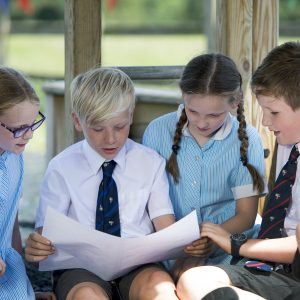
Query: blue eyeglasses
(18, 132)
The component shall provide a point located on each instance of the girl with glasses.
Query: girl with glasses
(19, 117)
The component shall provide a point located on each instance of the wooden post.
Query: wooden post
(82, 48)
(234, 37)
(247, 31)
(265, 37)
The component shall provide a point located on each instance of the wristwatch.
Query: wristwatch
(237, 240)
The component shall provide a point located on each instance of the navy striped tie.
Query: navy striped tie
(279, 200)
(107, 210)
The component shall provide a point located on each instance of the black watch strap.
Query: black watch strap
(235, 249)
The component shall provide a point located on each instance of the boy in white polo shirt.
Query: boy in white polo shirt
(103, 102)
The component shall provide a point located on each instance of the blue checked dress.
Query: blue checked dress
(14, 284)
(212, 177)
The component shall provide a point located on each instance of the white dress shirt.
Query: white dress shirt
(71, 185)
(293, 213)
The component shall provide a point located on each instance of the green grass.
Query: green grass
(44, 54)
(39, 54)
(36, 54)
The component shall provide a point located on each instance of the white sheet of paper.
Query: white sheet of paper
(109, 256)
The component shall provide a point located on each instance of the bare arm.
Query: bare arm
(162, 222)
(246, 211)
(16, 236)
(280, 250)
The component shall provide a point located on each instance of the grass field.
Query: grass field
(44, 54)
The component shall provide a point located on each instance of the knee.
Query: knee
(154, 285)
(87, 292)
(195, 283)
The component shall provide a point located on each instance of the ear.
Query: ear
(76, 122)
(131, 117)
(234, 104)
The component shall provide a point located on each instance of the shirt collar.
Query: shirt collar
(4, 155)
(221, 134)
(95, 160)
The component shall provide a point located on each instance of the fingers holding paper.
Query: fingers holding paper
(38, 247)
(216, 234)
(200, 248)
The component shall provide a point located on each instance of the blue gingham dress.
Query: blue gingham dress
(14, 284)
(212, 177)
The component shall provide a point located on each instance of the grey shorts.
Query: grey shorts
(269, 285)
(65, 280)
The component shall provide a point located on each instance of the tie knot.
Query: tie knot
(294, 155)
(108, 168)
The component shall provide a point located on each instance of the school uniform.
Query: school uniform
(72, 182)
(212, 177)
(14, 284)
(281, 283)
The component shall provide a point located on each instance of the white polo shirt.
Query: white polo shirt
(71, 185)
(293, 214)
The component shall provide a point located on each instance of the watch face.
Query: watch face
(239, 237)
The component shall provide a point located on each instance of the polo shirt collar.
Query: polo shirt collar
(95, 160)
(221, 134)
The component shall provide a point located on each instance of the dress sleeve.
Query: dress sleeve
(151, 138)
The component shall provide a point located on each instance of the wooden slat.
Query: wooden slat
(153, 72)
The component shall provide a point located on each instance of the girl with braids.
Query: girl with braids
(215, 162)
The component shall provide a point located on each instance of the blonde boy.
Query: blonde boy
(103, 102)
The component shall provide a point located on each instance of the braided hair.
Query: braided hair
(213, 74)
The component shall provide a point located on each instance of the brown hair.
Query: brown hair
(213, 74)
(279, 74)
(14, 89)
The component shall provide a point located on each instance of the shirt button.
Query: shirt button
(197, 157)
(194, 182)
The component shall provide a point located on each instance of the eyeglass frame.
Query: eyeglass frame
(25, 129)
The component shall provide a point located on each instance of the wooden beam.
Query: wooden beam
(82, 47)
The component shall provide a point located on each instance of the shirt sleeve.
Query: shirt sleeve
(241, 180)
(54, 193)
(159, 201)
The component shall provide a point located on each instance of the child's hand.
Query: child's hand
(38, 248)
(2, 267)
(200, 248)
(217, 234)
